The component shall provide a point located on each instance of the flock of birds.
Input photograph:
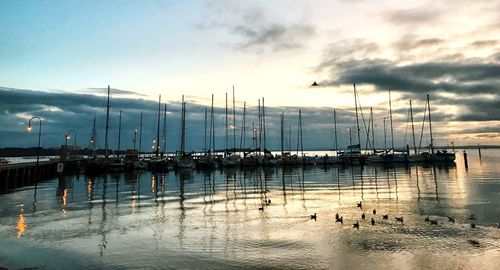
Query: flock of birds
(340, 219)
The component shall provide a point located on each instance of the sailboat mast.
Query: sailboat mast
(225, 128)
(234, 123)
(210, 145)
(413, 129)
(385, 135)
(140, 136)
(282, 133)
(300, 128)
(357, 120)
(183, 111)
(165, 129)
(390, 116)
(430, 124)
(373, 129)
(260, 129)
(205, 135)
(264, 121)
(106, 154)
(119, 134)
(243, 134)
(157, 150)
(93, 137)
(335, 131)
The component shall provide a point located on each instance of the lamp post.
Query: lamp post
(39, 137)
(68, 137)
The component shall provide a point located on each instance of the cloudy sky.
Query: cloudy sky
(57, 58)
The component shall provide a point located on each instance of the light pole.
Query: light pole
(69, 138)
(39, 137)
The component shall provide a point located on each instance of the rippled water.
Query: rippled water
(194, 219)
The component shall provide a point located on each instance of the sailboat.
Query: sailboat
(207, 161)
(353, 154)
(434, 155)
(286, 158)
(158, 163)
(183, 160)
(96, 166)
(390, 156)
(267, 159)
(231, 158)
(305, 160)
(249, 158)
(335, 159)
(117, 164)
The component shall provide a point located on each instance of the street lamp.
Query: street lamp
(39, 136)
(74, 143)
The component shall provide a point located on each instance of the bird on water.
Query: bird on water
(363, 216)
(373, 222)
(400, 219)
(386, 216)
(360, 204)
(313, 216)
(340, 219)
(374, 211)
(356, 225)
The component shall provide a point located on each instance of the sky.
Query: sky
(58, 57)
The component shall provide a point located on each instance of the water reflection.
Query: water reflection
(210, 219)
(21, 224)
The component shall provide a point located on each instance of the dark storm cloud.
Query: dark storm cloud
(459, 78)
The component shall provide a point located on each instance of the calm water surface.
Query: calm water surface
(192, 219)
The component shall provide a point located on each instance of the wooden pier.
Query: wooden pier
(23, 174)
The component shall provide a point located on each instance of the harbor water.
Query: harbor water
(211, 219)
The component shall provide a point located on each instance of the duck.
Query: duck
(261, 208)
(473, 242)
(360, 204)
(356, 225)
(314, 216)
(314, 84)
(386, 216)
(472, 225)
(340, 219)
(434, 222)
(337, 216)
(363, 216)
(451, 219)
(373, 222)
(427, 219)
(374, 211)
(269, 201)
(400, 219)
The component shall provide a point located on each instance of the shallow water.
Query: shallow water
(194, 219)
